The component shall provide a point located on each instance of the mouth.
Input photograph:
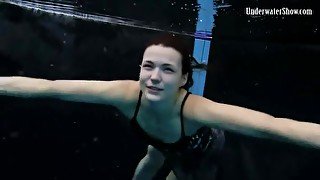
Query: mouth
(154, 88)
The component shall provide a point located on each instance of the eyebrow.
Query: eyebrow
(165, 64)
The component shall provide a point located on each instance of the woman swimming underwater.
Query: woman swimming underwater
(184, 131)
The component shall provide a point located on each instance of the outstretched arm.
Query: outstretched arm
(103, 92)
(254, 123)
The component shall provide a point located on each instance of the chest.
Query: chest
(167, 128)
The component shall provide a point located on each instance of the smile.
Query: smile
(154, 89)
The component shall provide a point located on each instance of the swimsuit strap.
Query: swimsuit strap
(138, 105)
(181, 111)
(181, 114)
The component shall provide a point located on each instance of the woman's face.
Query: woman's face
(161, 72)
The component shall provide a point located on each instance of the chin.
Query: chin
(152, 97)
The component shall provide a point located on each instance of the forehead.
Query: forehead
(161, 53)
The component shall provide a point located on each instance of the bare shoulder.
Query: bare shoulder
(193, 108)
(189, 110)
(225, 116)
(127, 103)
(127, 90)
(190, 106)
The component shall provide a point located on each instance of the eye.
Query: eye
(169, 69)
(147, 66)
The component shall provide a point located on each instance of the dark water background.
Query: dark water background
(267, 63)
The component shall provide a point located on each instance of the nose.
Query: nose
(155, 76)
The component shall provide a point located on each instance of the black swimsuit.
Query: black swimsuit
(187, 148)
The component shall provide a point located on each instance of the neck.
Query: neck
(161, 107)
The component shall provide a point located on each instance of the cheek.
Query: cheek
(171, 80)
(142, 74)
(143, 77)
